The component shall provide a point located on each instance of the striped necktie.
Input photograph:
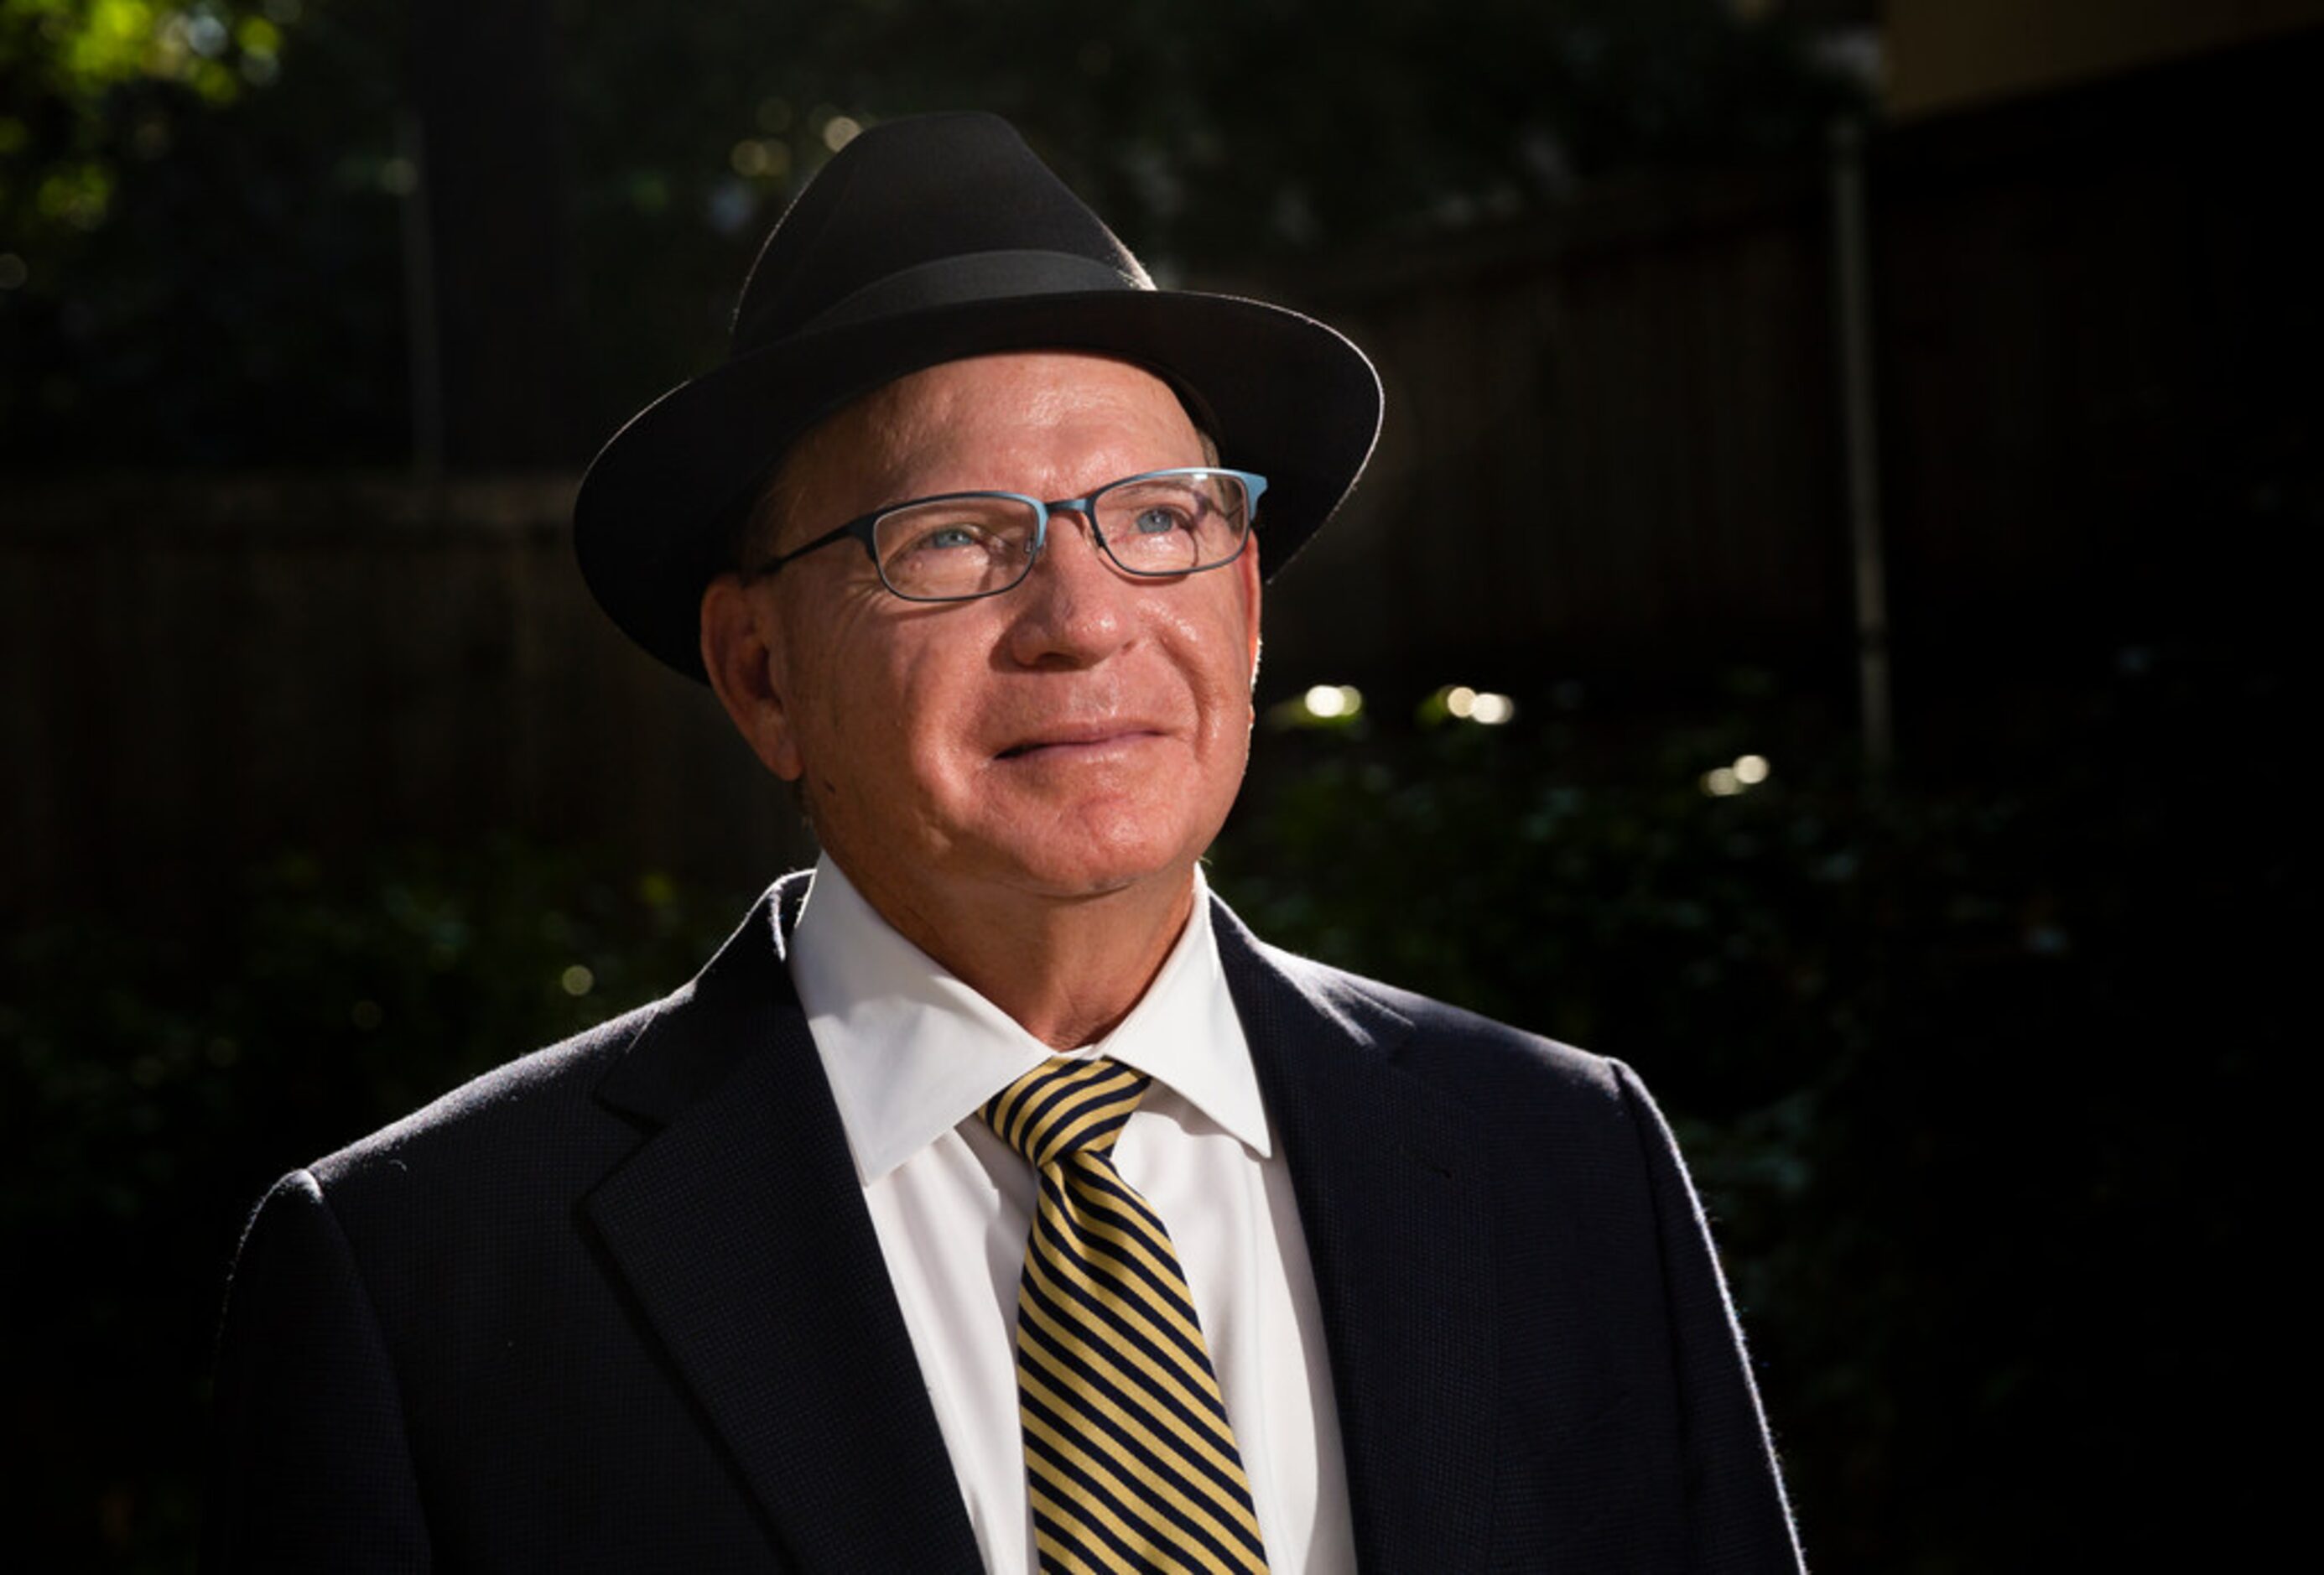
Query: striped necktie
(1128, 1456)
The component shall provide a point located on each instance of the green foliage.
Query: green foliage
(1221, 130)
(201, 205)
(154, 1081)
(1971, 1071)
(1923, 1046)
(199, 223)
(1473, 863)
(91, 84)
(1212, 135)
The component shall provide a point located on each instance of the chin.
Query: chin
(1101, 859)
(1083, 880)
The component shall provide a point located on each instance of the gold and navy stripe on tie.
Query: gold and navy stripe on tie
(1130, 1460)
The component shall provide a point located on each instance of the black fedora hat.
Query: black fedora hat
(924, 241)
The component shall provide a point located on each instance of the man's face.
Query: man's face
(1076, 735)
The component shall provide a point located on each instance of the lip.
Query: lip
(1072, 742)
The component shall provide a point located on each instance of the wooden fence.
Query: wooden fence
(201, 672)
(1614, 447)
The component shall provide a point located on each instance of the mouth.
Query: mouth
(1073, 742)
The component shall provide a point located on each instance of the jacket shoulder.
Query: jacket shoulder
(518, 1107)
(1473, 1057)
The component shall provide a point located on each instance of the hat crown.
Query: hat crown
(900, 203)
(925, 241)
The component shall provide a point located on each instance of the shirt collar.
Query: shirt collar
(911, 1051)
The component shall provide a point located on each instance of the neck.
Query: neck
(1068, 971)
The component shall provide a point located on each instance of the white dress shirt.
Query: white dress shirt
(912, 1054)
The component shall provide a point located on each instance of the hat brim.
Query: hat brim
(1289, 397)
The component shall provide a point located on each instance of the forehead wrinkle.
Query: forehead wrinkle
(931, 432)
(845, 465)
(883, 450)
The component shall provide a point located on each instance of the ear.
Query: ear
(742, 651)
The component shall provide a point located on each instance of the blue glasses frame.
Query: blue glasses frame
(865, 528)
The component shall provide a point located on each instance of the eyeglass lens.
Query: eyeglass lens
(978, 544)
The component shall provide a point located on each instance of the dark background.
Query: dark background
(326, 786)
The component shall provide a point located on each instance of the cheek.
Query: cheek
(835, 713)
(901, 723)
(1221, 666)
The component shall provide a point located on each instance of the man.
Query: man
(993, 1199)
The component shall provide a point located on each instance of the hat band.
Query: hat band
(979, 276)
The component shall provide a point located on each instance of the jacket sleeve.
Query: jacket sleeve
(1738, 1519)
(312, 1468)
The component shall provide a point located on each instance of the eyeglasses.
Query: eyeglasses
(960, 545)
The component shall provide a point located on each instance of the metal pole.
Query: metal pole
(1852, 271)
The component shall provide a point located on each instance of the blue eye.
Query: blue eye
(947, 538)
(1156, 519)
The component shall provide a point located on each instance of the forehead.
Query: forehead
(1049, 422)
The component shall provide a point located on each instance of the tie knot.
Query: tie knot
(1065, 1107)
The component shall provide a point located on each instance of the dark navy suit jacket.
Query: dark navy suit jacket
(619, 1306)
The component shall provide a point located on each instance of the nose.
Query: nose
(1073, 609)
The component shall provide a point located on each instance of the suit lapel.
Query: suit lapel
(741, 1231)
(1393, 1201)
